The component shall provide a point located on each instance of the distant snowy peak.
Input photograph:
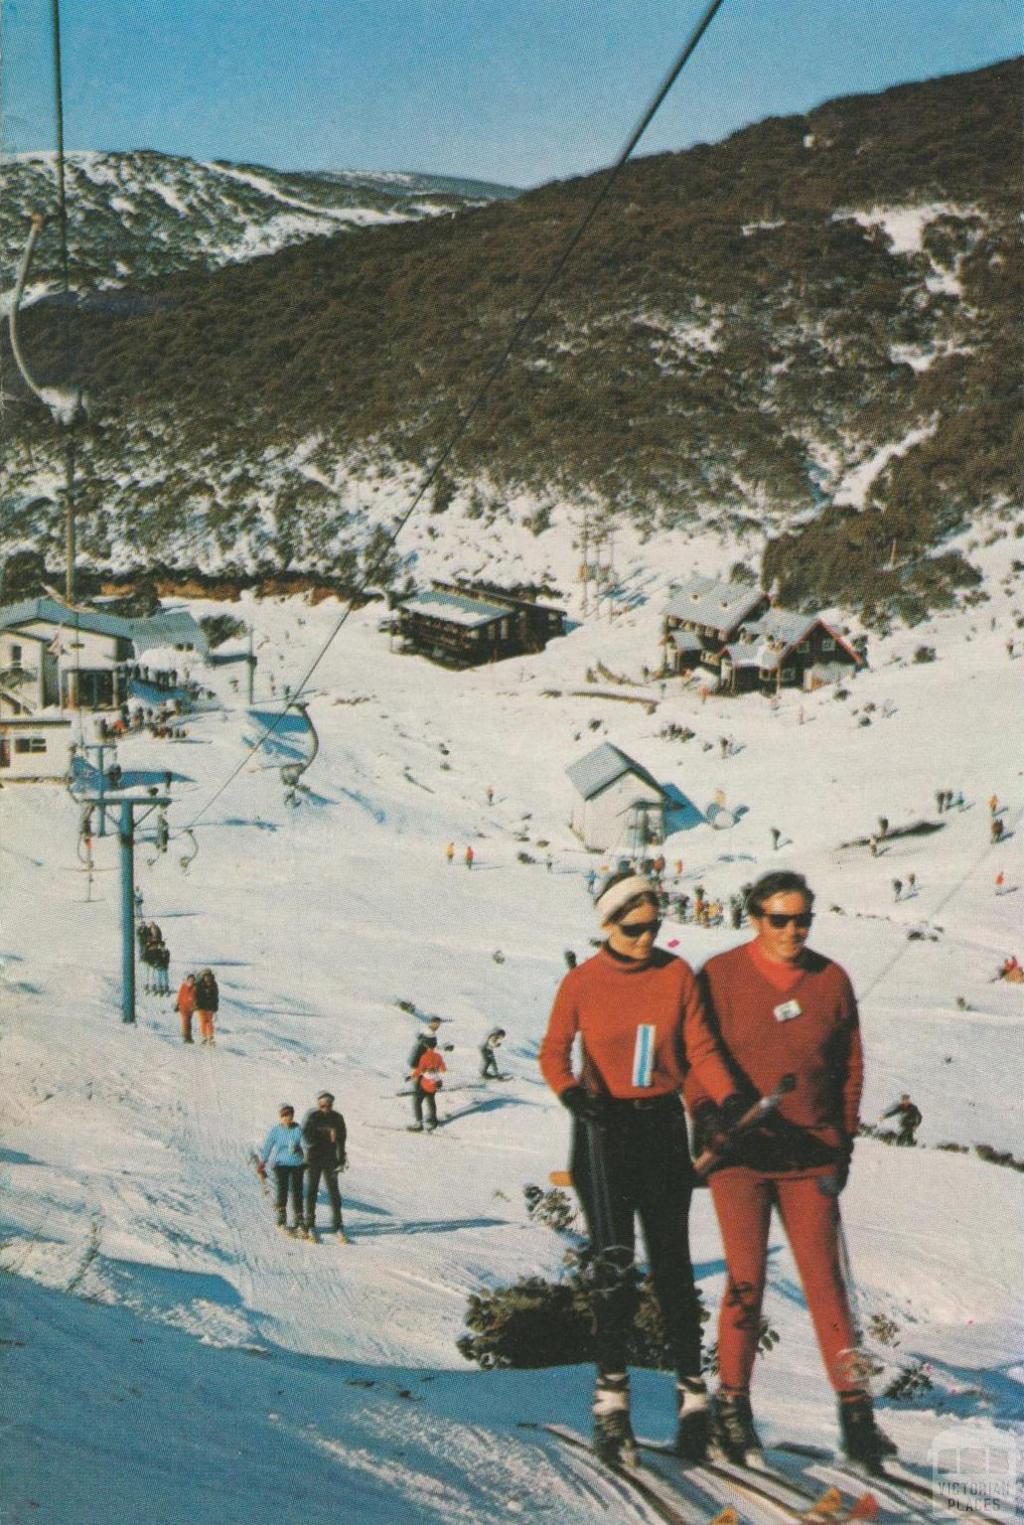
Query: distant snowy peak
(143, 215)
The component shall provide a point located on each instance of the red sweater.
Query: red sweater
(429, 1069)
(777, 1019)
(642, 1024)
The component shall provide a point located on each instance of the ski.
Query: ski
(659, 1495)
(776, 1491)
(896, 1480)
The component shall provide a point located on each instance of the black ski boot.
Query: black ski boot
(614, 1440)
(692, 1427)
(732, 1429)
(863, 1442)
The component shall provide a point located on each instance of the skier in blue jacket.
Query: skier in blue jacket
(282, 1148)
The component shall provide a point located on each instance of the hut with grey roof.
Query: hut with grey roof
(617, 804)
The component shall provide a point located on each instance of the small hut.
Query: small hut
(616, 802)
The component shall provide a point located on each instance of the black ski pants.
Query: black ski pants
(424, 1101)
(288, 1181)
(330, 1175)
(637, 1165)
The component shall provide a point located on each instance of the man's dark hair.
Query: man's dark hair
(779, 882)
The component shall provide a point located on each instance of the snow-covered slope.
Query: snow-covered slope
(168, 1356)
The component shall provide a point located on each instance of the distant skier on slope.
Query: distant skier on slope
(427, 1080)
(777, 1008)
(641, 1021)
(282, 1150)
(488, 1054)
(324, 1137)
(185, 1006)
(207, 1003)
(419, 1048)
(909, 1120)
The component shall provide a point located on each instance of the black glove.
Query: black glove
(832, 1184)
(714, 1124)
(585, 1105)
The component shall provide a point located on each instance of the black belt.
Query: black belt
(646, 1103)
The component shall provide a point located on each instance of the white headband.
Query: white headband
(625, 890)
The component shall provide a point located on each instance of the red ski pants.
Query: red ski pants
(743, 1201)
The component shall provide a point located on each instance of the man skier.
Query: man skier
(778, 1009)
(909, 1120)
(488, 1054)
(323, 1142)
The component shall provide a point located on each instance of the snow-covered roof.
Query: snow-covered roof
(456, 608)
(604, 766)
(173, 628)
(743, 654)
(686, 640)
(719, 604)
(782, 625)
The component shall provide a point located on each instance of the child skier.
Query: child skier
(426, 1079)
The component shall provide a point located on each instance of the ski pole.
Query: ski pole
(750, 1118)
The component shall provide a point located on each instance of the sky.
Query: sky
(513, 91)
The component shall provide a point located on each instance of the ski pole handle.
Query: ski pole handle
(750, 1118)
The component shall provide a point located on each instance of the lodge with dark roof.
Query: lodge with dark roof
(732, 637)
(465, 624)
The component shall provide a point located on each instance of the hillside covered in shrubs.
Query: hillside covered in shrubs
(747, 326)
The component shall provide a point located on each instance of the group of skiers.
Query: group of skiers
(766, 1015)
(426, 1069)
(468, 857)
(155, 957)
(302, 1157)
(198, 996)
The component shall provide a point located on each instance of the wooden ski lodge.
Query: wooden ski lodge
(466, 624)
(736, 641)
(55, 655)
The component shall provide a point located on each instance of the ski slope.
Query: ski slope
(168, 1355)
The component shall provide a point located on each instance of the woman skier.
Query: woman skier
(641, 1021)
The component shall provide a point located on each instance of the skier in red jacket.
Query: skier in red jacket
(426, 1079)
(777, 1008)
(639, 1015)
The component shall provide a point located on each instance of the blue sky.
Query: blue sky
(518, 91)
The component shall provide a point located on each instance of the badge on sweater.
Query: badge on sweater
(787, 1011)
(643, 1054)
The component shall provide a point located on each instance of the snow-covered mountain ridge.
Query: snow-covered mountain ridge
(137, 217)
(802, 328)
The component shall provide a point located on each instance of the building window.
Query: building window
(15, 654)
(828, 644)
(787, 675)
(30, 743)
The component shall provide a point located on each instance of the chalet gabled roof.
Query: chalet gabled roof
(789, 629)
(604, 766)
(722, 605)
(454, 608)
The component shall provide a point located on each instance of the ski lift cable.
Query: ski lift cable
(573, 242)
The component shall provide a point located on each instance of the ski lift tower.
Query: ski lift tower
(127, 805)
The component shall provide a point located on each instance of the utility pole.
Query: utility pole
(126, 840)
(251, 664)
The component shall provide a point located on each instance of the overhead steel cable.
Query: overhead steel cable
(495, 371)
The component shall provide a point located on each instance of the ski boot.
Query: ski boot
(732, 1430)
(863, 1442)
(614, 1441)
(415, 1128)
(692, 1427)
(342, 1237)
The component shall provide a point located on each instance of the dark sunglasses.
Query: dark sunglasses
(638, 928)
(777, 920)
